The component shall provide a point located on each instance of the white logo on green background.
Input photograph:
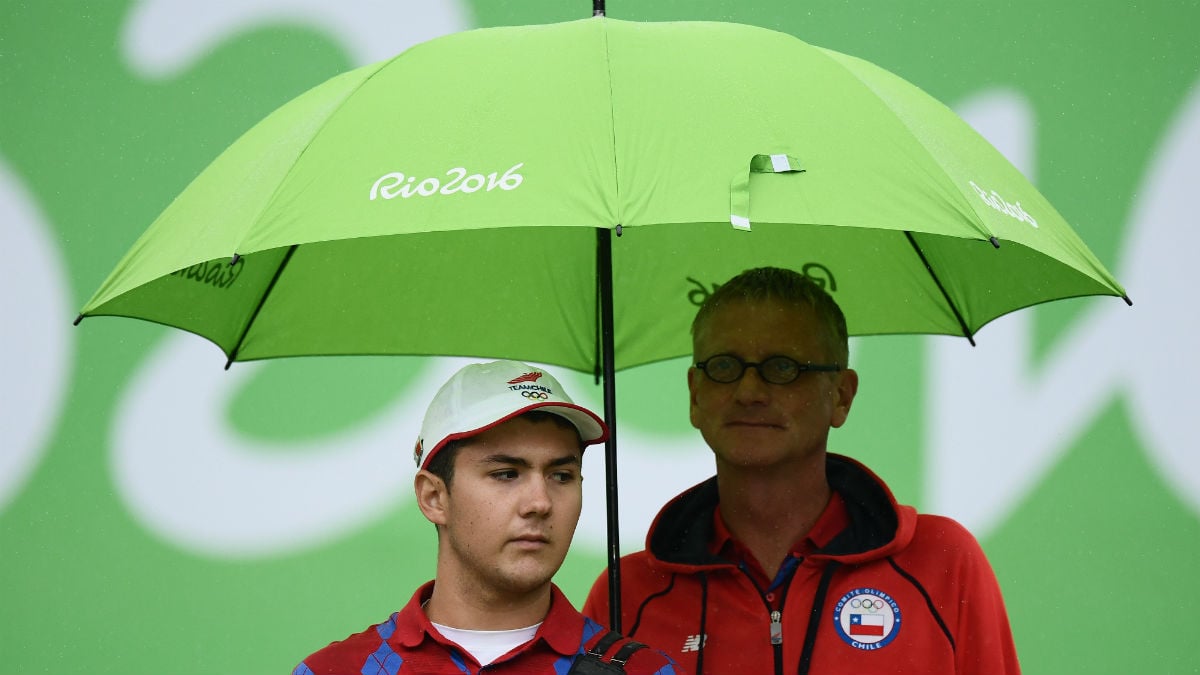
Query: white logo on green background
(396, 184)
(994, 200)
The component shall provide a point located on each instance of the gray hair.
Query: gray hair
(784, 286)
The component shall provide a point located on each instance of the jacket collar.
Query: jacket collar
(681, 534)
(561, 629)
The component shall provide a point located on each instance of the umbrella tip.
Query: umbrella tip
(995, 241)
(80, 317)
(234, 260)
(228, 362)
(971, 339)
(1128, 302)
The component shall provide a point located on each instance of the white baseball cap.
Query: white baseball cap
(485, 395)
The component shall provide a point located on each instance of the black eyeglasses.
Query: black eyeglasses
(727, 368)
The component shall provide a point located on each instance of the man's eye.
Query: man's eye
(504, 474)
(723, 366)
(782, 367)
(565, 476)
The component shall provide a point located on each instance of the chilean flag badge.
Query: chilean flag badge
(867, 618)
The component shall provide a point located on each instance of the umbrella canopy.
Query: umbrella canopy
(569, 193)
(446, 201)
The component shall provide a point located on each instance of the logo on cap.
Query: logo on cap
(418, 451)
(533, 376)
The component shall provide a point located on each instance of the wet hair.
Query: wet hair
(785, 286)
(442, 464)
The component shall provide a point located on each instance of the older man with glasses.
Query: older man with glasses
(792, 559)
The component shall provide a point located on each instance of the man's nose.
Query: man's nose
(536, 499)
(751, 388)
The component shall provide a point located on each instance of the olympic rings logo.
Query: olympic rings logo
(867, 604)
(536, 395)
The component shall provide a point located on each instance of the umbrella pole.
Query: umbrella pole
(598, 10)
(607, 350)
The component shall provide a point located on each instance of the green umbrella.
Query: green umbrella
(568, 193)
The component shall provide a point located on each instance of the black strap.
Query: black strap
(814, 619)
(610, 638)
(625, 652)
(592, 662)
(703, 623)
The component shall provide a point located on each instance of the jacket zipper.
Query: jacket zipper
(776, 615)
(777, 639)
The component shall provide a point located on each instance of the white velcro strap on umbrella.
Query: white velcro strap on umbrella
(739, 189)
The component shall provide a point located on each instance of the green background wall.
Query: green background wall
(158, 515)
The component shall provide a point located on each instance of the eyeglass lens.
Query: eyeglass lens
(727, 368)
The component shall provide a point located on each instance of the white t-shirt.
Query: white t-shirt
(488, 645)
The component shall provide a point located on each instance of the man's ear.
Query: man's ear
(433, 497)
(693, 379)
(847, 387)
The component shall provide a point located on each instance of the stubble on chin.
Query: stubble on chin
(522, 578)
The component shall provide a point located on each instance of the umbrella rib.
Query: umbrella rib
(266, 205)
(945, 296)
(262, 300)
(612, 117)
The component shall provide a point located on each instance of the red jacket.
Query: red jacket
(894, 593)
(408, 643)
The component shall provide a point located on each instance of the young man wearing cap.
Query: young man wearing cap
(499, 461)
